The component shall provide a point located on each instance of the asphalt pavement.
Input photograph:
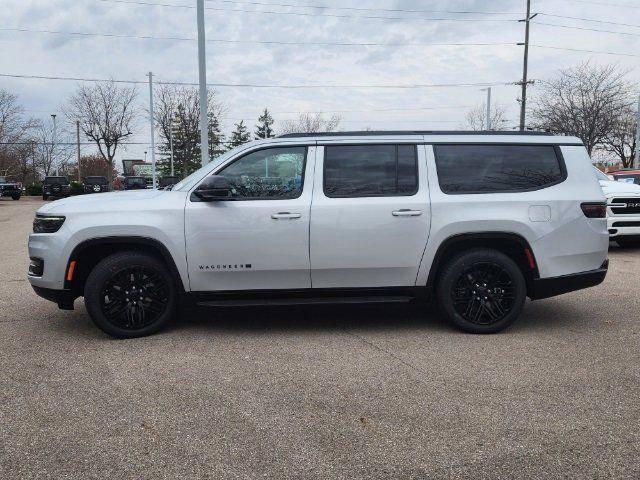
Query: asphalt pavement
(319, 392)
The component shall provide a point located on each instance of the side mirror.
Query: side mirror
(214, 188)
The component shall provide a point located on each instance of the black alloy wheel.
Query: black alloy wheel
(130, 294)
(484, 293)
(481, 290)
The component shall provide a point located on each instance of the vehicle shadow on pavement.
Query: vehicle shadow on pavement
(312, 317)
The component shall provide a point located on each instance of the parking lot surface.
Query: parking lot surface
(319, 392)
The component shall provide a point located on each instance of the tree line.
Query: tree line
(594, 103)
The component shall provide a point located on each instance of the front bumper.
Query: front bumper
(623, 226)
(552, 286)
(63, 298)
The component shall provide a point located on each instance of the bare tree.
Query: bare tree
(476, 118)
(46, 154)
(107, 115)
(311, 123)
(14, 133)
(621, 141)
(585, 101)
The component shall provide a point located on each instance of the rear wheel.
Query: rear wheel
(45, 197)
(481, 291)
(16, 197)
(130, 295)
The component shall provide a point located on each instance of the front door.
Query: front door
(259, 239)
(370, 215)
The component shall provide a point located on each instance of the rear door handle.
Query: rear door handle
(406, 212)
(285, 215)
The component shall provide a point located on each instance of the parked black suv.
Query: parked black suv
(95, 185)
(55, 187)
(135, 183)
(10, 189)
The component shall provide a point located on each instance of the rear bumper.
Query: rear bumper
(63, 298)
(550, 287)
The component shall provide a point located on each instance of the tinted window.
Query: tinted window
(496, 168)
(273, 173)
(628, 178)
(370, 170)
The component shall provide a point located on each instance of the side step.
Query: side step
(305, 301)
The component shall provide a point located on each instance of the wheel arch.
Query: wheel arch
(513, 245)
(88, 253)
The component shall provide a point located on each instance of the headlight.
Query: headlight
(45, 224)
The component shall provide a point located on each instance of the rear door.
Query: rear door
(370, 215)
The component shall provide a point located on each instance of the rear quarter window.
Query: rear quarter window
(498, 168)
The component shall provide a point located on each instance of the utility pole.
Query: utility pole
(78, 148)
(525, 81)
(488, 108)
(636, 160)
(53, 143)
(202, 79)
(152, 131)
(171, 142)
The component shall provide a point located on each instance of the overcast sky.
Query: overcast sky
(48, 54)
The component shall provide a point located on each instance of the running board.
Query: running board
(305, 301)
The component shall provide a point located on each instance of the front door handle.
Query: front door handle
(406, 212)
(285, 215)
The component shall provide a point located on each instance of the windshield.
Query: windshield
(188, 181)
(601, 175)
(136, 181)
(629, 178)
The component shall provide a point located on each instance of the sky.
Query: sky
(409, 31)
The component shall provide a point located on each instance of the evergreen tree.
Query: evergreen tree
(263, 128)
(240, 135)
(216, 137)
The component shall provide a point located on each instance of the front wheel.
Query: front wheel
(481, 291)
(16, 197)
(130, 295)
(45, 197)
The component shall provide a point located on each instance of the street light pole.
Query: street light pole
(636, 160)
(202, 79)
(171, 142)
(78, 147)
(53, 143)
(488, 108)
(152, 131)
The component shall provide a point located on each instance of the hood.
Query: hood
(619, 188)
(100, 202)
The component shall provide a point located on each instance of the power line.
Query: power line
(265, 42)
(393, 10)
(589, 20)
(257, 85)
(585, 28)
(604, 4)
(309, 14)
(584, 50)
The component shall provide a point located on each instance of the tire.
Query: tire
(628, 242)
(45, 197)
(489, 276)
(15, 197)
(122, 315)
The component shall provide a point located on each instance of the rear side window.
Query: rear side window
(370, 170)
(497, 168)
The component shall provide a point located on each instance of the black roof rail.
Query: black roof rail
(369, 133)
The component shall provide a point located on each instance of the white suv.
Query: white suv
(478, 221)
(623, 210)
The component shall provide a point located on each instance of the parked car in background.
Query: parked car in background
(623, 210)
(476, 221)
(168, 181)
(627, 175)
(95, 184)
(135, 183)
(55, 187)
(10, 189)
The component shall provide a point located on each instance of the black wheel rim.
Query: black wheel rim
(484, 293)
(134, 297)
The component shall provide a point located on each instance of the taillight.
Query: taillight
(594, 210)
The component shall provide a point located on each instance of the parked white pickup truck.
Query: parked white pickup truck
(478, 221)
(623, 210)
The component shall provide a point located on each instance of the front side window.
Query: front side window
(370, 170)
(269, 174)
(497, 168)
